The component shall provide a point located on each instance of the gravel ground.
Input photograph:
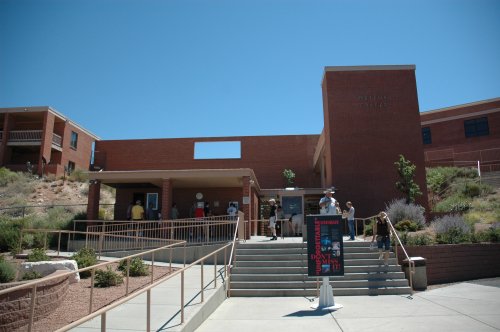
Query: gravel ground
(76, 303)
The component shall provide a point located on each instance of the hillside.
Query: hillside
(20, 189)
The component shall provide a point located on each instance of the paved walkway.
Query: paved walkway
(468, 306)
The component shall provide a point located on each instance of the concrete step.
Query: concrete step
(248, 277)
(313, 284)
(299, 263)
(313, 292)
(274, 255)
(277, 251)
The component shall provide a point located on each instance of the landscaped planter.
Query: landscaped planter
(15, 306)
(457, 262)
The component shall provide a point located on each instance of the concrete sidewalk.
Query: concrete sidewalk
(467, 306)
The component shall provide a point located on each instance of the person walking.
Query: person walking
(327, 203)
(350, 220)
(382, 233)
(272, 219)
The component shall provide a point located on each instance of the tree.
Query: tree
(289, 177)
(406, 184)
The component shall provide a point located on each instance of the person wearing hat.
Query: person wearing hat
(327, 203)
(272, 219)
(137, 211)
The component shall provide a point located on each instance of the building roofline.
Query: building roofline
(34, 109)
(475, 103)
(369, 67)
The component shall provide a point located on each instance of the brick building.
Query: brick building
(46, 139)
(463, 135)
(371, 116)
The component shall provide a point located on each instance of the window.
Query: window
(426, 135)
(217, 150)
(74, 140)
(71, 167)
(476, 127)
(152, 198)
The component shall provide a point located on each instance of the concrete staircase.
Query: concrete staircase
(280, 269)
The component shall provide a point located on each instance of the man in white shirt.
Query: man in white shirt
(327, 203)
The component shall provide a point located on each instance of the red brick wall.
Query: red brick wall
(80, 156)
(450, 146)
(457, 262)
(266, 155)
(371, 116)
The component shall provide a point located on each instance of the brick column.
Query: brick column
(46, 144)
(246, 208)
(5, 136)
(166, 199)
(93, 200)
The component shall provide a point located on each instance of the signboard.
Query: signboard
(325, 248)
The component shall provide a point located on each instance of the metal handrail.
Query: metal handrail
(102, 312)
(411, 264)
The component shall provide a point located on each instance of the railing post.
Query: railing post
(182, 297)
(92, 275)
(215, 270)
(225, 262)
(128, 274)
(201, 281)
(59, 244)
(152, 266)
(21, 241)
(103, 322)
(148, 313)
(32, 307)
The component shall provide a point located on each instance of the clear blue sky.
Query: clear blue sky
(182, 68)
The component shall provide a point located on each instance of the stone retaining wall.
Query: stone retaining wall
(457, 262)
(15, 306)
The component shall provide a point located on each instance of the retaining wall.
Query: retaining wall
(457, 262)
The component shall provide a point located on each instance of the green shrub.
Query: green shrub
(78, 175)
(369, 229)
(453, 236)
(419, 240)
(453, 203)
(85, 257)
(31, 275)
(38, 255)
(107, 278)
(137, 267)
(7, 272)
(406, 226)
(9, 234)
(440, 178)
(490, 235)
(7, 176)
(398, 210)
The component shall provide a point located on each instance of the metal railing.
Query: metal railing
(25, 135)
(411, 264)
(56, 140)
(225, 269)
(202, 231)
(34, 284)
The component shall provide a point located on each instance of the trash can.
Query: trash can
(419, 279)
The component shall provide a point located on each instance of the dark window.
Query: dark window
(476, 127)
(74, 140)
(426, 135)
(71, 167)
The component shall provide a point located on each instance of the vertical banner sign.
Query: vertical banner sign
(325, 248)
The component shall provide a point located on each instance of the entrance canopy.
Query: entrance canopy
(193, 178)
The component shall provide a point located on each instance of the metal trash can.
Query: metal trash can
(419, 279)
